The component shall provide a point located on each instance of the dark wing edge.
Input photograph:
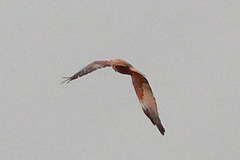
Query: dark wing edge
(88, 69)
(155, 121)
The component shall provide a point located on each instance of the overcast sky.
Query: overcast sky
(189, 51)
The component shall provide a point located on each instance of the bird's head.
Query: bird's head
(122, 66)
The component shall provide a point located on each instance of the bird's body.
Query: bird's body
(140, 83)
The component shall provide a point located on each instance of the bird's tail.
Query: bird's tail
(160, 127)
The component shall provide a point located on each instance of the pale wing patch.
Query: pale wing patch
(143, 106)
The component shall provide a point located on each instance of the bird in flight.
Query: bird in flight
(140, 84)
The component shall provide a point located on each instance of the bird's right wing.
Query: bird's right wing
(88, 69)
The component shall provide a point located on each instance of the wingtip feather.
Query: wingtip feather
(67, 80)
(160, 128)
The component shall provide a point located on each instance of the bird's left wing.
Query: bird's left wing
(88, 69)
(147, 100)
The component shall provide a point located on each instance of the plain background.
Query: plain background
(189, 50)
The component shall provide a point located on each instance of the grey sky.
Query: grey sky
(189, 50)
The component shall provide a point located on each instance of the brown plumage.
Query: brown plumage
(140, 83)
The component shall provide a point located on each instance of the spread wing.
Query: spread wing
(147, 100)
(88, 69)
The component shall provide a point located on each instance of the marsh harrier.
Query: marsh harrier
(140, 83)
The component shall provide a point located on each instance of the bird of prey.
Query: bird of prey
(140, 83)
